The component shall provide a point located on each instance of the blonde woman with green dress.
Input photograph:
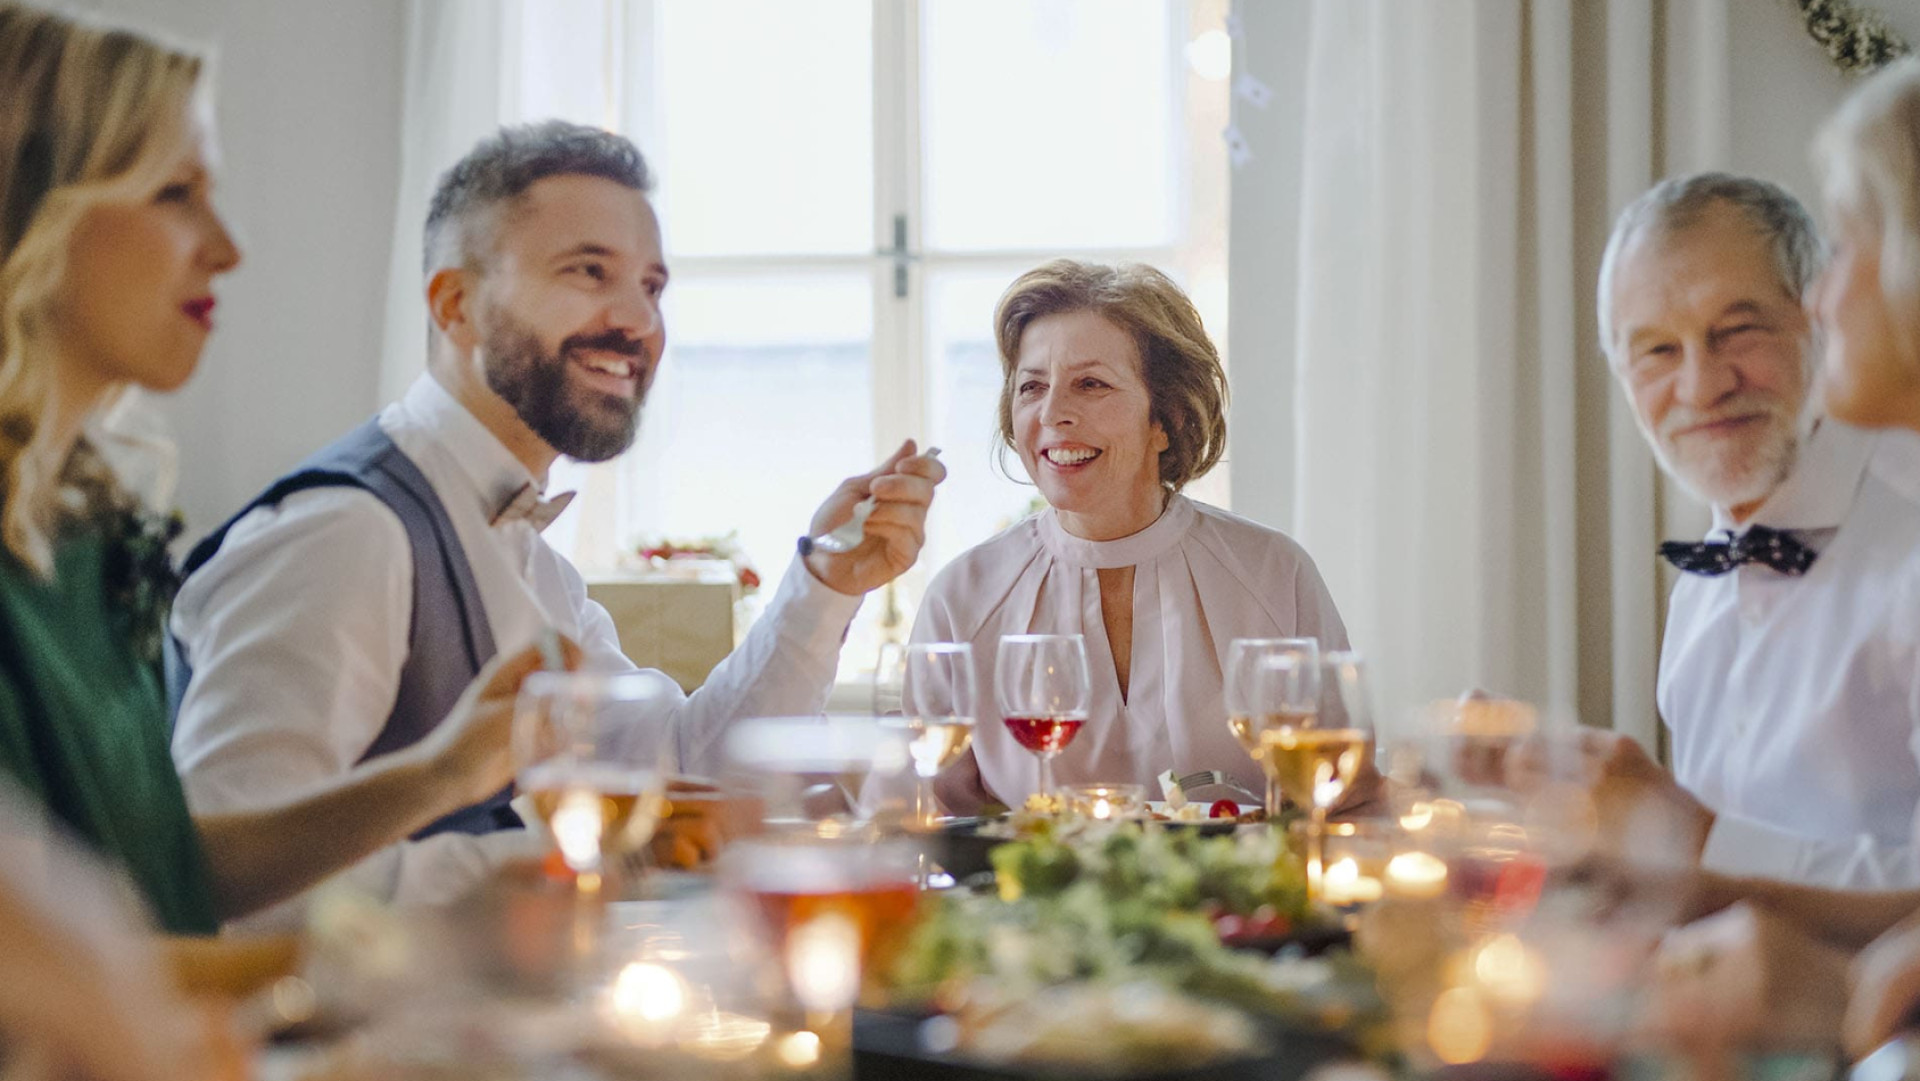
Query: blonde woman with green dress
(110, 249)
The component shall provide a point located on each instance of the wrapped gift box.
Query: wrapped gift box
(682, 624)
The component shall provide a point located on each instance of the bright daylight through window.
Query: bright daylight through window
(843, 200)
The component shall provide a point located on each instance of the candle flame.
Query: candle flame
(1417, 874)
(1418, 817)
(648, 992)
(798, 1050)
(823, 961)
(577, 824)
(1509, 971)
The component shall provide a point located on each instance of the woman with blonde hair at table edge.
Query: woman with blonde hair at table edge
(109, 250)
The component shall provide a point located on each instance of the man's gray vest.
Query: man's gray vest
(448, 640)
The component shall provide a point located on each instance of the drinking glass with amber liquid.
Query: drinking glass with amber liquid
(1317, 759)
(836, 894)
(1271, 683)
(593, 751)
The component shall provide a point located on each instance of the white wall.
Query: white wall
(1781, 87)
(308, 98)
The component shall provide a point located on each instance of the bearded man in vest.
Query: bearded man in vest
(336, 616)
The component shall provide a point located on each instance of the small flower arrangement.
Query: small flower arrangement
(657, 553)
(140, 576)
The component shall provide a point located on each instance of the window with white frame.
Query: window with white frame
(845, 188)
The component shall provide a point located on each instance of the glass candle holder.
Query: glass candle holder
(1106, 802)
(1356, 856)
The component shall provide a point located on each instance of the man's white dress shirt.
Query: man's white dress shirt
(1794, 703)
(297, 631)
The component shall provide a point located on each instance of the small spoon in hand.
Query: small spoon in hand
(848, 535)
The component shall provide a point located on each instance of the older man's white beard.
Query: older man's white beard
(1733, 470)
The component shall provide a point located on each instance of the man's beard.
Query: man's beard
(1731, 470)
(582, 424)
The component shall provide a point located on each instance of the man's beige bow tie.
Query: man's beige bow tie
(526, 503)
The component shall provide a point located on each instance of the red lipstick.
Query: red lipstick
(200, 310)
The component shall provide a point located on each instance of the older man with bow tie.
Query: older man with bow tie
(339, 614)
(1790, 670)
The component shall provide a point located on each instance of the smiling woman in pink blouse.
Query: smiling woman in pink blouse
(1114, 401)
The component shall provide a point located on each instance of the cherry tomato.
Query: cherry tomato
(1223, 808)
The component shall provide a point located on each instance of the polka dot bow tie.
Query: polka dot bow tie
(1770, 547)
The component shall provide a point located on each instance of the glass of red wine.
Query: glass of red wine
(1041, 682)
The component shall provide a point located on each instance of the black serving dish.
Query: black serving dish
(887, 1047)
(961, 850)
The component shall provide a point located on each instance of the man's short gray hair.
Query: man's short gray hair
(505, 164)
(1675, 204)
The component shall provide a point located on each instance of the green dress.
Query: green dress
(83, 726)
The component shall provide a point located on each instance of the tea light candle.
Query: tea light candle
(1343, 884)
(1106, 802)
(1418, 876)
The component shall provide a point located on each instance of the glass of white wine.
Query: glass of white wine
(1270, 683)
(1317, 758)
(937, 710)
(593, 751)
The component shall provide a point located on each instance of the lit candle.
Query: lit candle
(1343, 884)
(577, 825)
(799, 1050)
(1104, 802)
(1417, 817)
(646, 999)
(1416, 875)
(1509, 971)
(823, 961)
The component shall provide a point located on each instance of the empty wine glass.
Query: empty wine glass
(1270, 683)
(889, 679)
(1042, 685)
(938, 712)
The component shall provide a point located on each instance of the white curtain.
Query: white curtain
(473, 65)
(1457, 458)
(456, 53)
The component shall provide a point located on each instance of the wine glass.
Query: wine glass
(1270, 683)
(938, 712)
(1317, 757)
(889, 680)
(835, 897)
(592, 759)
(1042, 684)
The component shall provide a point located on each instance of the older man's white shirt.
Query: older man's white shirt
(297, 631)
(1794, 703)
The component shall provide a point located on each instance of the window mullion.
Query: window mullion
(899, 385)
